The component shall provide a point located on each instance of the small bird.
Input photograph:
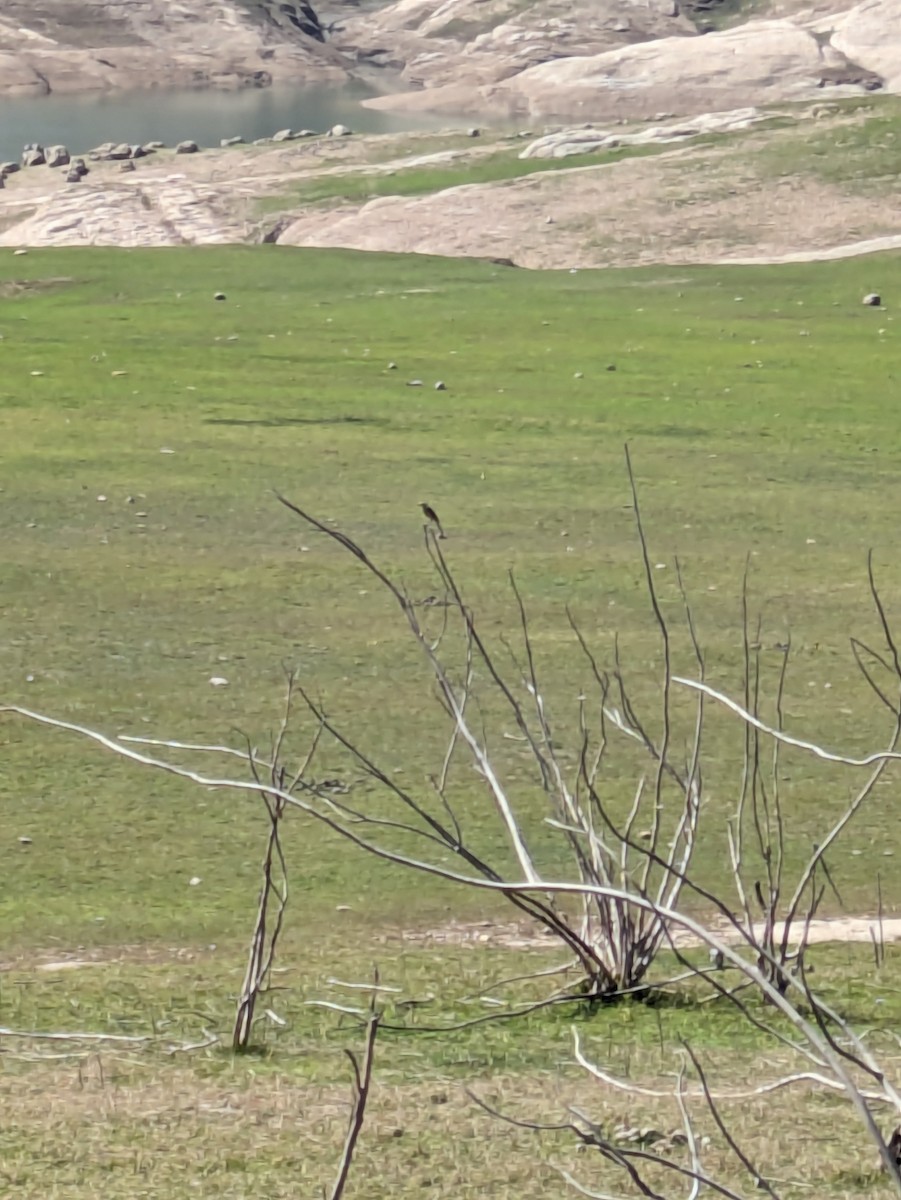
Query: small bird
(431, 515)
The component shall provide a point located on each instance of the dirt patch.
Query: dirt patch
(10, 288)
(513, 936)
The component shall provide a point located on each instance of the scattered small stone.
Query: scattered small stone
(548, 220)
(219, 296)
(610, 367)
(101, 499)
(36, 374)
(56, 156)
(414, 383)
(473, 133)
(194, 880)
(440, 386)
(166, 450)
(392, 366)
(218, 681)
(17, 253)
(187, 147)
(872, 300)
(578, 375)
(116, 374)
(25, 841)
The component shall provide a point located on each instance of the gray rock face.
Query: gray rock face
(187, 147)
(56, 156)
(101, 45)
(33, 157)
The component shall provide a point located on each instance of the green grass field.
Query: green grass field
(144, 428)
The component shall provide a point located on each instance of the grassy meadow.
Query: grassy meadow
(145, 427)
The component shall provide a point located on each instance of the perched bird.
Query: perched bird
(431, 515)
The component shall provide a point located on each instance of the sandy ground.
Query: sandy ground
(519, 937)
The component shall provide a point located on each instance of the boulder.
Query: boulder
(56, 156)
(150, 146)
(8, 168)
(339, 131)
(121, 151)
(33, 158)
(127, 165)
(73, 176)
(187, 147)
(78, 166)
(872, 300)
(867, 36)
(139, 152)
(237, 140)
(283, 135)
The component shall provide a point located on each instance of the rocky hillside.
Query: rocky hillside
(93, 45)
(603, 60)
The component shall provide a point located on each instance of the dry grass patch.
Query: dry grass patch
(111, 1125)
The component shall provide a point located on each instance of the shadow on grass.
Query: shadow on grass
(279, 422)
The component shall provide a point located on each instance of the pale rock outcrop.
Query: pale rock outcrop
(566, 142)
(870, 36)
(763, 61)
(468, 43)
(174, 211)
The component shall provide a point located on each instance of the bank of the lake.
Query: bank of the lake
(83, 121)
